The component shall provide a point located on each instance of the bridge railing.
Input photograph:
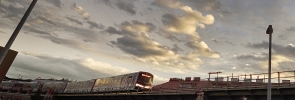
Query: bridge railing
(247, 81)
(241, 85)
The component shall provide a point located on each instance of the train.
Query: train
(137, 81)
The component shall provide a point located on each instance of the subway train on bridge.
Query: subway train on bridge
(138, 81)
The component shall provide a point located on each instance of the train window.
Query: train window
(121, 81)
(145, 75)
(101, 81)
(145, 79)
(97, 82)
(107, 81)
(115, 80)
(118, 79)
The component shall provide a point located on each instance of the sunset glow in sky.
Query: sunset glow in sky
(86, 39)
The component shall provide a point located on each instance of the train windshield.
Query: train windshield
(145, 78)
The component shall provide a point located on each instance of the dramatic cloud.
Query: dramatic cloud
(257, 57)
(167, 3)
(202, 49)
(30, 30)
(204, 5)
(75, 20)
(129, 7)
(95, 25)
(10, 9)
(287, 50)
(275, 62)
(113, 30)
(17, 8)
(43, 18)
(81, 11)
(106, 2)
(126, 5)
(56, 3)
(178, 37)
(57, 32)
(136, 41)
(260, 61)
(82, 46)
(170, 36)
(193, 56)
(86, 17)
(32, 65)
(187, 23)
(45, 22)
(44, 66)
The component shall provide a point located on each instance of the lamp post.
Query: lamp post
(16, 31)
(269, 31)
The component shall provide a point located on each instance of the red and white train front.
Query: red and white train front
(144, 80)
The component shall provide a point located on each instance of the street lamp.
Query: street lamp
(269, 31)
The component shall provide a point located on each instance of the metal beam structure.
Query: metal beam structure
(16, 31)
(7, 61)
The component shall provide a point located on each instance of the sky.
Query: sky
(88, 39)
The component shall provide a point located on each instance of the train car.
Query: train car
(137, 81)
(34, 86)
(6, 85)
(25, 86)
(80, 87)
(58, 87)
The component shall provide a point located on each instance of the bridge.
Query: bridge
(129, 97)
(282, 93)
(251, 92)
(234, 88)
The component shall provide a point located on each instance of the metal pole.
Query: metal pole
(232, 75)
(209, 78)
(269, 71)
(279, 78)
(16, 31)
(264, 78)
(269, 31)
